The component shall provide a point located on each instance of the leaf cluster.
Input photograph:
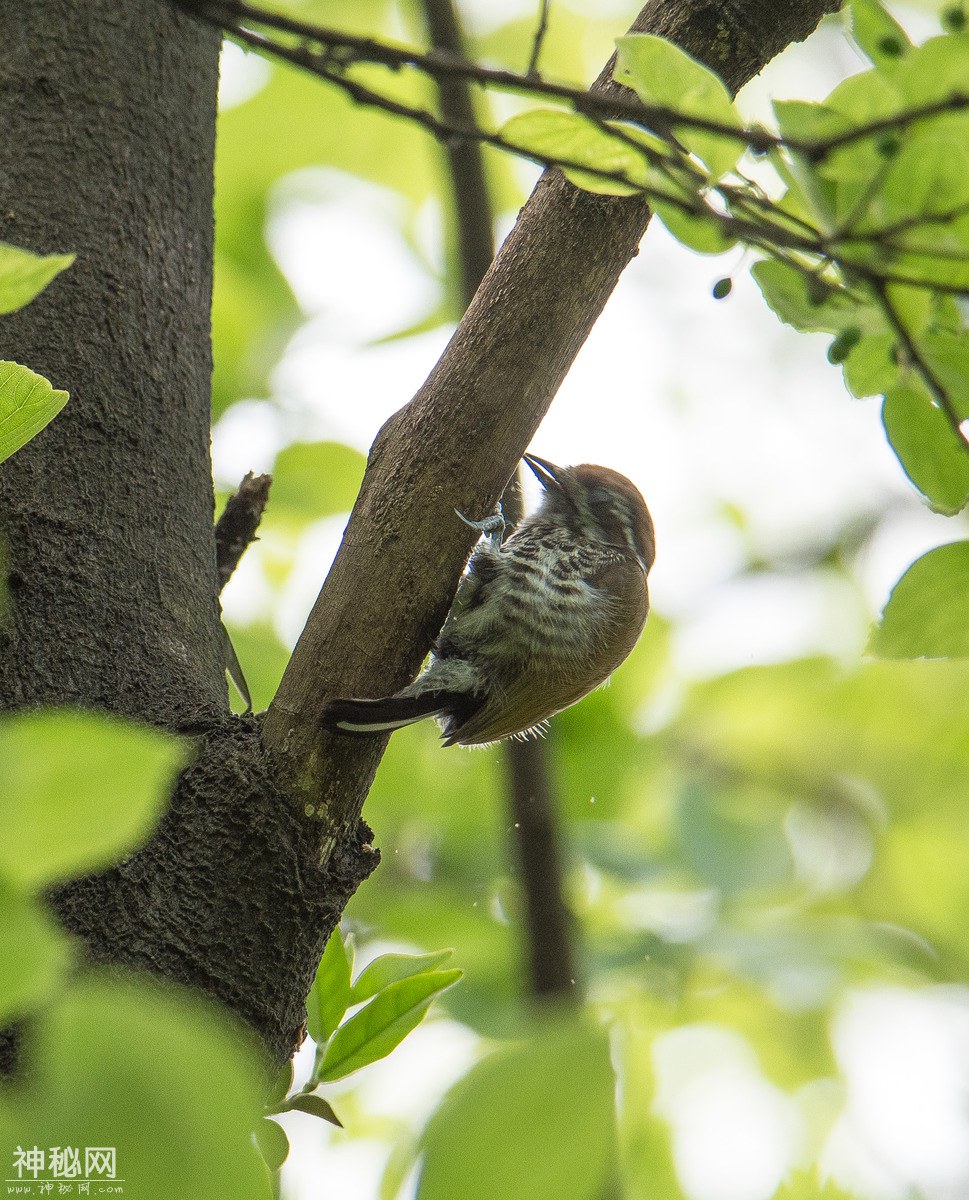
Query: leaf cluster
(391, 996)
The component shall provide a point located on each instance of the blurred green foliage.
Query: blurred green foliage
(110, 1060)
(741, 852)
(473, 1146)
(162, 1080)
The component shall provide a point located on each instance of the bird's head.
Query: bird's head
(601, 504)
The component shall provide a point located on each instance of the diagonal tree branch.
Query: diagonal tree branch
(457, 443)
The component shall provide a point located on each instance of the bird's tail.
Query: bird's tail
(391, 712)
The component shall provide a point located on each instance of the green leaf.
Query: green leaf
(281, 1084)
(571, 138)
(663, 74)
(947, 353)
(863, 98)
(390, 968)
(24, 275)
(380, 1026)
(534, 1121)
(935, 71)
(805, 121)
(316, 1106)
(870, 368)
(927, 176)
(807, 303)
(329, 997)
(932, 454)
(34, 955)
(80, 790)
(27, 404)
(272, 1142)
(166, 1080)
(700, 234)
(912, 305)
(927, 614)
(878, 34)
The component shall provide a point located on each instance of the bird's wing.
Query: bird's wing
(542, 690)
(482, 567)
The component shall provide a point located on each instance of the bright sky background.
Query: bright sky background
(706, 405)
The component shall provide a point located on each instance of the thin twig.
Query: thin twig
(447, 132)
(540, 31)
(765, 236)
(936, 388)
(945, 217)
(341, 50)
(821, 148)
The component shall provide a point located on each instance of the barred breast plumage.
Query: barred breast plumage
(539, 619)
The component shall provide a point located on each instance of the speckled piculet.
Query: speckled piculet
(540, 618)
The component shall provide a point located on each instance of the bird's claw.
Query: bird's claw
(492, 527)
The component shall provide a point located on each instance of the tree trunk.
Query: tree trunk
(107, 516)
(109, 117)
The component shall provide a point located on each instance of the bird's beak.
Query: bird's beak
(547, 474)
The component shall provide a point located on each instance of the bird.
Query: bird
(539, 620)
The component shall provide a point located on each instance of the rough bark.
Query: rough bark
(108, 113)
(226, 897)
(235, 530)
